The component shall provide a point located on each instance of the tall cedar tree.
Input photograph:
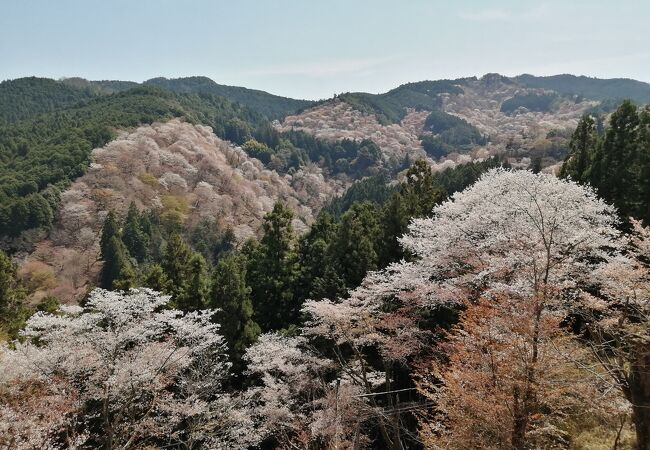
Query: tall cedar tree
(109, 229)
(230, 295)
(616, 163)
(272, 272)
(134, 236)
(117, 272)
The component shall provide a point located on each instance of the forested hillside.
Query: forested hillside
(272, 106)
(402, 270)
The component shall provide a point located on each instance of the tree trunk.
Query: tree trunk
(639, 383)
(520, 420)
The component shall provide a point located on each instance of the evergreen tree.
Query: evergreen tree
(619, 158)
(355, 245)
(156, 279)
(12, 296)
(272, 272)
(231, 296)
(394, 223)
(314, 259)
(195, 290)
(176, 265)
(134, 236)
(109, 230)
(421, 193)
(536, 164)
(581, 147)
(117, 272)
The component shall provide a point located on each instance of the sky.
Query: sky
(316, 48)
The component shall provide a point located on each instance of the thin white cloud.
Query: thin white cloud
(321, 68)
(505, 15)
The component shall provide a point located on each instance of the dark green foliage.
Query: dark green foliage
(592, 88)
(155, 278)
(195, 293)
(231, 296)
(117, 271)
(434, 146)
(616, 162)
(272, 106)
(451, 133)
(390, 107)
(532, 102)
(211, 241)
(294, 148)
(272, 272)
(416, 197)
(13, 312)
(134, 234)
(176, 265)
(26, 97)
(354, 249)
(258, 150)
(372, 189)
(102, 86)
(110, 229)
(582, 144)
(456, 179)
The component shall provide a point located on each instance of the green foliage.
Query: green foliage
(592, 88)
(117, 271)
(271, 106)
(258, 150)
(450, 133)
(231, 296)
(272, 272)
(26, 97)
(110, 229)
(13, 311)
(390, 107)
(373, 189)
(194, 295)
(211, 241)
(616, 162)
(532, 102)
(456, 179)
(134, 235)
(584, 140)
(353, 249)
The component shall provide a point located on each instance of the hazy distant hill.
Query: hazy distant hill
(272, 106)
(591, 88)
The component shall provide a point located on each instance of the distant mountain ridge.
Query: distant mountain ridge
(270, 105)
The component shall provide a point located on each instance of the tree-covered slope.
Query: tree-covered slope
(391, 106)
(43, 151)
(272, 106)
(24, 97)
(591, 88)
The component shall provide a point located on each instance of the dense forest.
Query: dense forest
(51, 143)
(475, 306)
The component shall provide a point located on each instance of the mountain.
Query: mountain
(272, 106)
(48, 128)
(525, 118)
(591, 88)
(183, 172)
(25, 97)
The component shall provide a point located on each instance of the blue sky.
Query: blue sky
(313, 49)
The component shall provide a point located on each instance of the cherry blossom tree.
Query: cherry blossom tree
(120, 372)
(523, 236)
(617, 325)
